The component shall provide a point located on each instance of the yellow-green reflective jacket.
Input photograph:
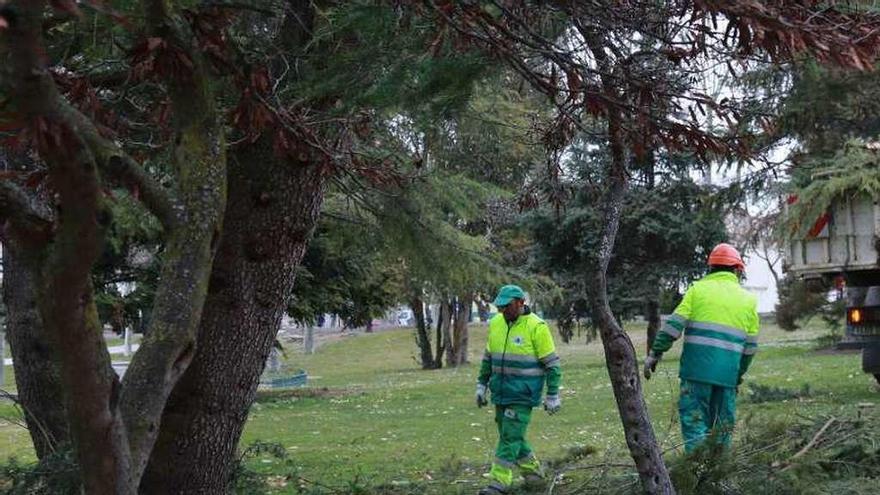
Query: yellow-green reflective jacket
(519, 359)
(719, 322)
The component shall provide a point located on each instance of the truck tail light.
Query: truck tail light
(855, 316)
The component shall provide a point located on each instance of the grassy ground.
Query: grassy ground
(15, 441)
(386, 421)
(397, 423)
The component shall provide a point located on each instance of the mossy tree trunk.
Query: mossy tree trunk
(272, 211)
(28, 221)
(113, 425)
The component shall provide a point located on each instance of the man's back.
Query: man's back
(720, 325)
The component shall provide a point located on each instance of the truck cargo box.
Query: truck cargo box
(842, 240)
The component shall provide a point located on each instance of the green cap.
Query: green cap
(508, 293)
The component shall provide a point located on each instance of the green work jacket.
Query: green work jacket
(520, 358)
(719, 322)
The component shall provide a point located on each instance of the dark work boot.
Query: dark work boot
(492, 490)
(534, 480)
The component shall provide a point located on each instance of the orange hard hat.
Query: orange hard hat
(726, 255)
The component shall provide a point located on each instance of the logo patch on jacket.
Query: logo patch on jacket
(518, 340)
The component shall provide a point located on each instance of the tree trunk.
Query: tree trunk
(273, 208)
(448, 311)
(620, 358)
(37, 371)
(443, 314)
(423, 339)
(63, 286)
(460, 335)
(620, 355)
(652, 314)
(765, 248)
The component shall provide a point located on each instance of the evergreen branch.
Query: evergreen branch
(115, 163)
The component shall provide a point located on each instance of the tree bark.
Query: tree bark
(652, 314)
(200, 156)
(37, 370)
(443, 314)
(447, 310)
(423, 340)
(27, 223)
(63, 288)
(113, 427)
(272, 211)
(460, 334)
(621, 360)
(620, 355)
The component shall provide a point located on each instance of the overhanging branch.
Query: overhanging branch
(122, 169)
(21, 213)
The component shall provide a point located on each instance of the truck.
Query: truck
(844, 244)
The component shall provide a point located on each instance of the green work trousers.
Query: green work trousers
(513, 449)
(707, 412)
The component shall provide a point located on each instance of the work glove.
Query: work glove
(552, 404)
(481, 395)
(651, 364)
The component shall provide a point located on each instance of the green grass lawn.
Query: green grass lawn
(399, 423)
(15, 441)
(388, 421)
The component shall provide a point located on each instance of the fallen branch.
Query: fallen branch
(552, 484)
(787, 465)
(604, 465)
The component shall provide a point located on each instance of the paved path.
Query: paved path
(117, 349)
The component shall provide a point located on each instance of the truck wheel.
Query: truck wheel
(871, 360)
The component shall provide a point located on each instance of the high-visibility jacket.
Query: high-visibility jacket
(719, 322)
(520, 358)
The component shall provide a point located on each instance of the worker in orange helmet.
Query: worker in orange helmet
(719, 322)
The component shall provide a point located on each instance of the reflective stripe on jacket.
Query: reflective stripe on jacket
(719, 322)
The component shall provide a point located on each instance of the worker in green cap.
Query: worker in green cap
(520, 359)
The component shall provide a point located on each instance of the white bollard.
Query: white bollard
(2, 359)
(127, 349)
(309, 340)
(274, 363)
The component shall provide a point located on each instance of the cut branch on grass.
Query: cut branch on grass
(789, 463)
